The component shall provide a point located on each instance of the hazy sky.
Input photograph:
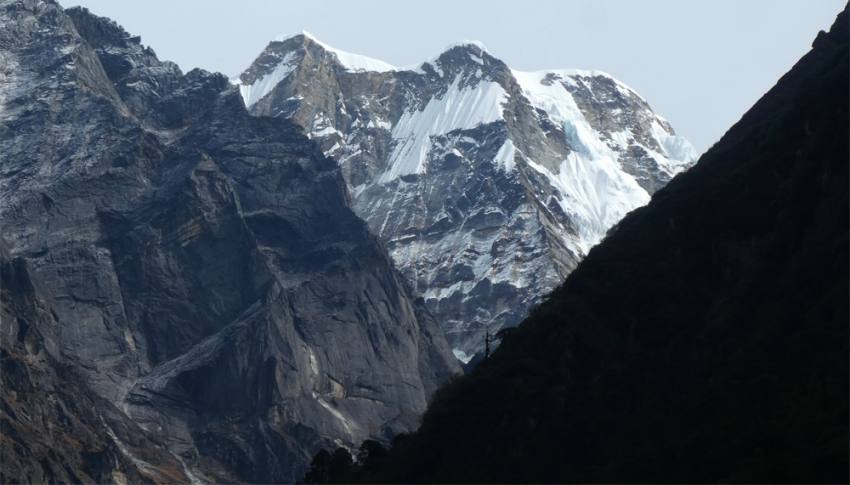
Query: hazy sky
(700, 64)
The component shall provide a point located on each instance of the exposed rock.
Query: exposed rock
(203, 267)
(52, 428)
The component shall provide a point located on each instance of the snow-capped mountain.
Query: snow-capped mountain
(488, 185)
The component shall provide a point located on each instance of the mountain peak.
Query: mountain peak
(457, 56)
(100, 30)
(285, 53)
(348, 60)
(473, 45)
(299, 35)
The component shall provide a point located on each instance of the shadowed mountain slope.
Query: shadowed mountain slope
(706, 339)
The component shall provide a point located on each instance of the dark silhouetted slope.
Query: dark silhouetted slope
(706, 339)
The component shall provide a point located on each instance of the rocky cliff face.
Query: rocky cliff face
(199, 268)
(52, 430)
(487, 184)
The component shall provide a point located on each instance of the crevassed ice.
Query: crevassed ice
(459, 108)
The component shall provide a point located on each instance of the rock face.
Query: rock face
(52, 430)
(199, 269)
(705, 340)
(487, 185)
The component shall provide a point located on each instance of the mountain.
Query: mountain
(187, 294)
(488, 185)
(73, 436)
(704, 340)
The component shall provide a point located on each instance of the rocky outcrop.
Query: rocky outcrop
(487, 184)
(52, 428)
(203, 269)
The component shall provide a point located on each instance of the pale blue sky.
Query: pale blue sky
(699, 64)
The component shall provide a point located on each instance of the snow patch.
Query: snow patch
(505, 157)
(346, 423)
(462, 356)
(322, 126)
(314, 363)
(678, 152)
(251, 93)
(327, 130)
(330, 151)
(457, 109)
(379, 123)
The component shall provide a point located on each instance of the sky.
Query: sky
(699, 64)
